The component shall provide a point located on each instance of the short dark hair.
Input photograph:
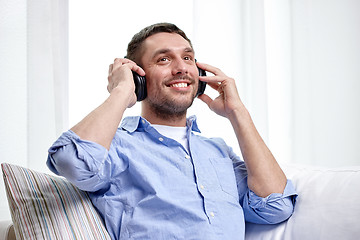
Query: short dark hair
(135, 45)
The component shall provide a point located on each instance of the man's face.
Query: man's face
(171, 73)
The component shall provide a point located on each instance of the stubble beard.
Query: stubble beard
(167, 109)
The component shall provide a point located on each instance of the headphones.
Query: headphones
(140, 85)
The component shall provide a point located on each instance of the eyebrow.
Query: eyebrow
(167, 50)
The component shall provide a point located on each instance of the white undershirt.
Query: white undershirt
(177, 133)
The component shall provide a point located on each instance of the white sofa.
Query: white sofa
(328, 207)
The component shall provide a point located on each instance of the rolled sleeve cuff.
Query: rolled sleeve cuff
(83, 162)
(275, 208)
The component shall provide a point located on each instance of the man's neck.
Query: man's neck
(168, 122)
(173, 120)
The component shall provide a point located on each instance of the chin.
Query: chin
(170, 107)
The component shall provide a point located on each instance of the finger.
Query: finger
(138, 70)
(118, 62)
(205, 98)
(123, 60)
(209, 68)
(213, 79)
(110, 68)
(214, 85)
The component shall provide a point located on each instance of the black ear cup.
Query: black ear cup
(140, 85)
(202, 85)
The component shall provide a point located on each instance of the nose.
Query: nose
(180, 67)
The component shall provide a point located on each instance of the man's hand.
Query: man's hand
(101, 124)
(228, 100)
(120, 77)
(264, 174)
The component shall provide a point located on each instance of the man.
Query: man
(155, 177)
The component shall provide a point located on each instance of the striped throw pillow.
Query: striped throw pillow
(43, 206)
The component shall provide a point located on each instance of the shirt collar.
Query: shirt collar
(192, 123)
(131, 124)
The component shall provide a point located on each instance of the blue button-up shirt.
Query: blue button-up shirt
(148, 186)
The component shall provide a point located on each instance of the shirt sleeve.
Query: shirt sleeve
(85, 164)
(275, 208)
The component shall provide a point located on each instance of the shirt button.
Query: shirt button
(143, 121)
(161, 139)
(202, 186)
(187, 157)
(212, 214)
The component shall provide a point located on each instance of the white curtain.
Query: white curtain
(47, 76)
(326, 82)
(34, 79)
(245, 40)
(296, 66)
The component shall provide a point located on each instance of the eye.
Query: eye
(163, 59)
(188, 58)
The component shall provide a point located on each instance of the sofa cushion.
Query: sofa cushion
(327, 206)
(43, 206)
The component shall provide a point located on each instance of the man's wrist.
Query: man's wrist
(239, 113)
(120, 96)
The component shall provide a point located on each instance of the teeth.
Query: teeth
(179, 85)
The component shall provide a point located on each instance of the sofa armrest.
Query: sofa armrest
(7, 230)
(327, 207)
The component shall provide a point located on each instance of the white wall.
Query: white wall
(307, 54)
(326, 82)
(33, 80)
(13, 89)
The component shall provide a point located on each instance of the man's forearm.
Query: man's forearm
(264, 174)
(101, 124)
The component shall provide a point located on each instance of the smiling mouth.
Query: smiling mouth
(179, 85)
